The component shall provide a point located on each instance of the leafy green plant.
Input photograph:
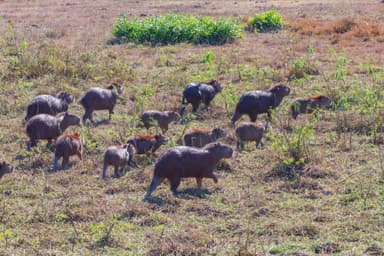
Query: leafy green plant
(176, 28)
(266, 21)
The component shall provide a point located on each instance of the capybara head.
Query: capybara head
(130, 148)
(5, 168)
(323, 100)
(118, 87)
(218, 133)
(219, 149)
(174, 116)
(216, 85)
(280, 90)
(66, 96)
(68, 120)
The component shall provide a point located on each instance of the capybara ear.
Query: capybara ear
(110, 87)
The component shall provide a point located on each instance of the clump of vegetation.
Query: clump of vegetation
(176, 28)
(266, 21)
(300, 68)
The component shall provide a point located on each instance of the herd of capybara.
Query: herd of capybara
(47, 118)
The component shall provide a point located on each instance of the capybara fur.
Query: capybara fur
(257, 102)
(196, 93)
(118, 157)
(199, 138)
(48, 104)
(145, 143)
(5, 168)
(309, 104)
(47, 127)
(182, 162)
(100, 99)
(67, 145)
(162, 118)
(247, 131)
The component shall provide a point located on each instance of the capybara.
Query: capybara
(48, 104)
(100, 99)
(145, 143)
(67, 145)
(47, 127)
(5, 168)
(199, 138)
(182, 161)
(195, 93)
(309, 104)
(257, 102)
(119, 157)
(163, 119)
(247, 131)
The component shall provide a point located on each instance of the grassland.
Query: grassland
(332, 203)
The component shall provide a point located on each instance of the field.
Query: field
(316, 186)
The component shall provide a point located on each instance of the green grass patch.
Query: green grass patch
(266, 21)
(176, 28)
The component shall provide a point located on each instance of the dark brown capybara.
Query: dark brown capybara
(195, 93)
(100, 99)
(119, 157)
(145, 143)
(182, 161)
(199, 138)
(67, 145)
(309, 104)
(48, 104)
(247, 131)
(162, 118)
(257, 102)
(47, 127)
(5, 168)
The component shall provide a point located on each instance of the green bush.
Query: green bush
(266, 21)
(176, 28)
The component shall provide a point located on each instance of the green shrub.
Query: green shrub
(266, 21)
(176, 28)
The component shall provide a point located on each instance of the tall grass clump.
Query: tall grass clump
(266, 21)
(176, 28)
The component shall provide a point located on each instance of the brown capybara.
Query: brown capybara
(182, 161)
(47, 127)
(257, 102)
(145, 143)
(195, 93)
(100, 99)
(119, 157)
(5, 168)
(48, 104)
(309, 104)
(162, 118)
(198, 138)
(247, 131)
(67, 145)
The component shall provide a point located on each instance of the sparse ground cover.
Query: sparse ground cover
(316, 187)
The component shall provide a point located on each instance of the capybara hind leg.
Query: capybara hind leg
(31, 144)
(117, 173)
(199, 182)
(65, 162)
(235, 117)
(155, 182)
(253, 117)
(239, 145)
(175, 182)
(55, 163)
(104, 174)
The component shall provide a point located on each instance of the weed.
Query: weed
(266, 21)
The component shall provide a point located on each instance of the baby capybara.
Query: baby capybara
(67, 145)
(257, 102)
(48, 104)
(309, 104)
(5, 168)
(182, 161)
(163, 119)
(47, 127)
(119, 157)
(145, 143)
(195, 93)
(247, 131)
(199, 138)
(100, 99)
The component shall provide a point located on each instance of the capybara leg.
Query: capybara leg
(182, 109)
(239, 145)
(65, 162)
(110, 113)
(235, 117)
(195, 107)
(253, 117)
(79, 155)
(117, 173)
(31, 144)
(199, 182)
(175, 182)
(155, 182)
(269, 115)
(104, 174)
(55, 163)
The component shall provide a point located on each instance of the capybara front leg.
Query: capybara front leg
(253, 117)
(199, 182)
(175, 182)
(104, 174)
